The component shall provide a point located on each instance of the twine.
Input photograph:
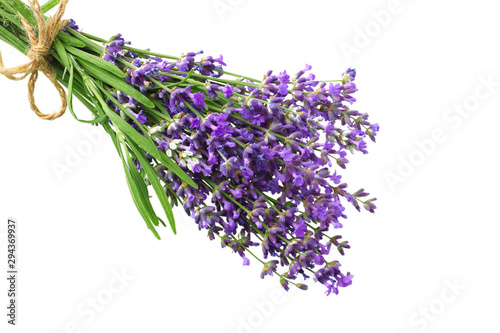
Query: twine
(40, 50)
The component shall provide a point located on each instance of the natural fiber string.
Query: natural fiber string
(40, 50)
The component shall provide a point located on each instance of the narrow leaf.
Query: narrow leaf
(116, 83)
(134, 190)
(49, 5)
(22, 9)
(70, 101)
(142, 142)
(97, 61)
(72, 41)
(59, 47)
(143, 193)
(153, 179)
(88, 43)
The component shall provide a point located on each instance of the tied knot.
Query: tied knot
(38, 54)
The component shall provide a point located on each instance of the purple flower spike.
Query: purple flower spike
(265, 156)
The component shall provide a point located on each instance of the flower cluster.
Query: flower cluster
(253, 162)
(261, 153)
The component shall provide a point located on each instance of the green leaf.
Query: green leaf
(59, 47)
(70, 100)
(156, 113)
(10, 39)
(133, 182)
(107, 94)
(49, 5)
(153, 179)
(88, 43)
(97, 61)
(116, 83)
(161, 221)
(143, 193)
(67, 39)
(142, 142)
(22, 9)
(76, 84)
(12, 18)
(139, 204)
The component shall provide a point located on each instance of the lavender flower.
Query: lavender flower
(251, 161)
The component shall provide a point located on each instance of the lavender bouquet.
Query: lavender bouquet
(251, 161)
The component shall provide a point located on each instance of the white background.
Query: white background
(436, 225)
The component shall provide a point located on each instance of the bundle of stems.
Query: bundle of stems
(250, 160)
